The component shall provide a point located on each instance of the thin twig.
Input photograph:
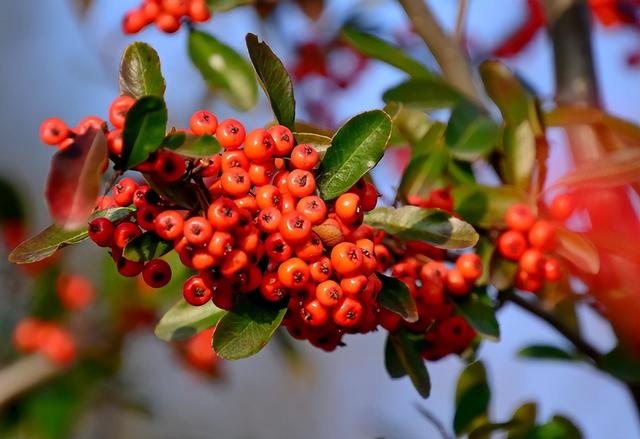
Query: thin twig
(460, 22)
(435, 421)
(447, 53)
(24, 374)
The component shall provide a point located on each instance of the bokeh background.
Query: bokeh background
(56, 64)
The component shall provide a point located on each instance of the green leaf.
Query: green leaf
(53, 238)
(182, 194)
(408, 125)
(434, 226)
(246, 329)
(274, 79)
(480, 314)
(470, 134)
(183, 321)
(622, 365)
(424, 94)
(146, 247)
(374, 47)
(484, 206)
(503, 272)
(140, 73)
(224, 70)
(189, 145)
(525, 419)
(485, 431)
(226, 5)
(422, 173)
(355, 149)
(472, 399)
(392, 362)
(395, 297)
(558, 427)
(319, 142)
(144, 130)
(408, 353)
(546, 352)
(578, 249)
(461, 173)
(485, 250)
(519, 148)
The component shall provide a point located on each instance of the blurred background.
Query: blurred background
(59, 63)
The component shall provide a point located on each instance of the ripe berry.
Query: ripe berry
(230, 134)
(314, 313)
(235, 182)
(320, 270)
(369, 197)
(203, 122)
(167, 23)
(532, 261)
(235, 158)
(456, 283)
(346, 258)
(115, 142)
(328, 293)
(235, 261)
(169, 225)
(261, 173)
(197, 230)
(202, 260)
(123, 191)
(311, 250)
(348, 313)
(221, 244)
(156, 273)
(277, 249)
(552, 272)
(101, 231)
(519, 217)
(293, 273)
(562, 207)
(118, 110)
(301, 183)
(128, 268)
(348, 208)
(124, 233)
(304, 157)
(354, 286)
(511, 245)
(295, 228)
(542, 235)
(259, 145)
(283, 140)
(75, 292)
(470, 266)
(527, 281)
(268, 220)
(196, 292)
(58, 345)
(150, 9)
(134, 21)
(267, 196)
(223, 214)
(53, 131)
(169, 167)
(313, 208)
(146, 215)
(271, 288)
(199, 11)
(26, 335)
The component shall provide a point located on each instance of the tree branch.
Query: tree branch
(447, 53)
(24, 374)
(460, 20)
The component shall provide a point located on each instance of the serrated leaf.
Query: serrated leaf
(546, 352)
(189, 145)
(73, 184)
(146, 247)
(484, 206)
(394, 296)
(472, 399)
(224, 70)
(480, 314)
(140, 73)
(53, 238)
(424, 94)
(274, 79)
(470, 133)
(183, 321)
(434, 226)
(374, 47)
(144, 130)
(355, 149)
(319, 142)
(392, 362)
(408, 353)
(246, 329)
(578, 249)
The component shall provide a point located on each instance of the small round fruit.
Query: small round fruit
(511, 245)
(156, 273)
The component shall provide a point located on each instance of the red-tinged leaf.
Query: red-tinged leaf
(614, 169)
(74, 180)
(577, 249)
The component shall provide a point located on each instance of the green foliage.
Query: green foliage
(246, 329)
(374, 47)
(424, 94)
(189, 145)
(224, 70)
(274, 79)
(146, 247)
(319, 142)
(404, 350)
(546, 352)
(395, 297)
(226, 5)
(484, 206)
(53, 238)
(622, 365)
(472, 399)
(434, 226)
(182, 320)
(470, 134)
(355, 149)
(558, 427)
(140, 73)
(182, 194)
(392, 362)
(144, 130)
(479, 312)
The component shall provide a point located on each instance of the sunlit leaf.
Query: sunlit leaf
(146, 247)
(472, 399)
(424, 94)
(189, 145)
(546, 352)
(144, 130)
(484, 206)
(140, 73)
(183, 320)
(470, 133)
(394, 296)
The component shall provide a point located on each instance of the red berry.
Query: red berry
(118, 110)
(304, 157)
(156, 273)
(314, 313)
(134, 21)
(196, 292)
(26, 335)
(259, 145)
(562, 207)
(197, 230)
(457, 285)
(348, 313)
(123, 191)
(203, 122)
(519, 217)
(169, 225)
(542, 235)
(470, 266)
(53, 131)
(283, 140)
(532, 261)
(124, 233)
(74, 291)
(552, 271)
(511, 245)
(58, 345)
(167, 23)
(230, 134)
(128, 268)
(169, 167)
(101, 231)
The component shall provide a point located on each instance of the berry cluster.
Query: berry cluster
(166, 14)
(528, 241)
(49, 338)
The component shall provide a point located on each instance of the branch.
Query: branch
(434, 420)
(24, 374)
(460, 18)
(580, 344)
(447, 53)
